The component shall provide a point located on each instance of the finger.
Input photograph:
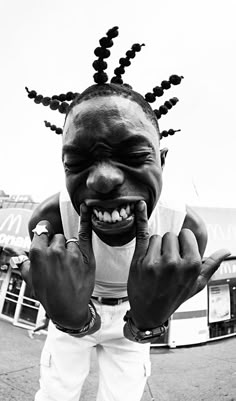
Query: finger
(72, 243)
(212, 263)
(170, 245)
(85, 232)
(154, 249)
(142, 232)
(188, 244)
(58, 241)
(42, 234)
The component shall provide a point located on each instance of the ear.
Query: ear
(163, 154)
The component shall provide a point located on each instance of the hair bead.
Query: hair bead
(175, 79)
(53, 127)
(100, 77)
(63, 107)
(54, 104)
(169, 132)
(165, 84)
(124, 62)
(46, 101)
(158, 91)
(150, 97)
(59, 102)
(113, 32)
(99, 65)
(31, 94)
(106, 42)
(38, 99)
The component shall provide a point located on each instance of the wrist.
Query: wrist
(133, 333)
(93, 323)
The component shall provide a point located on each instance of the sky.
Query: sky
(48, 46)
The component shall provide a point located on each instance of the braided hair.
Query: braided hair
(65, 102)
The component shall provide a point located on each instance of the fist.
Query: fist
(165, 272)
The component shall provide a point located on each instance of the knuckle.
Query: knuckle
(35, 254)
(172, 262)
(142, 235)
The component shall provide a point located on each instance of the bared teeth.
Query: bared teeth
(113, 216)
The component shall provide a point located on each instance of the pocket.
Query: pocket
(45, 359)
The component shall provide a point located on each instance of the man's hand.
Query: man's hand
(8, 251)
(63, 275)
(165, 272)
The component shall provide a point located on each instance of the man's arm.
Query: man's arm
(195, 223)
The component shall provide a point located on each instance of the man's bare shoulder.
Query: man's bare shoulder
(47, 210)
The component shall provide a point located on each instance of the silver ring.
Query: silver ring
(72, 240)
(40, 229)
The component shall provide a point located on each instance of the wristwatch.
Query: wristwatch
(18, 260)
(142, 336)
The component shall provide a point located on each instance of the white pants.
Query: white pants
(123, 365)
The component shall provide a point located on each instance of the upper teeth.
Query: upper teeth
(114, 216)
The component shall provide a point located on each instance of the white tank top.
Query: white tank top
(113, 262)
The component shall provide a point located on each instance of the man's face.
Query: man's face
(111, 158)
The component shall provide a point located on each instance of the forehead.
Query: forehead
(109, 118)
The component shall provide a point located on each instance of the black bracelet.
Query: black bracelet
(84, 329)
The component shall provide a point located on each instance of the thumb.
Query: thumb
(142, 232)
(85, 231)
(212, 263)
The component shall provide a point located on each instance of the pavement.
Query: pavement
(204, 372)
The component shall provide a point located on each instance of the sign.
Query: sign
(219, 303)
(226, 270)
(14, 227)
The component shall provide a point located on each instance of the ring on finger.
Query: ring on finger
(72, 240)
(40, 229)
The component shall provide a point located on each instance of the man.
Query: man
(105, 249)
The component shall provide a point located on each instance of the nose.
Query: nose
(104, 178)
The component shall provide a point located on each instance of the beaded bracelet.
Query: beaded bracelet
(87, 328)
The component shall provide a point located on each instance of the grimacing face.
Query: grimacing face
(111, 158)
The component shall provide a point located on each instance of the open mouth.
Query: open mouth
(113, 219)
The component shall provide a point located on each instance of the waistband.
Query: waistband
(110, 301)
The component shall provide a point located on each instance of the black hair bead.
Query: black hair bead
(124, 62)
(175, 79)
(55, 97)
(130, 53)
(137, 47)
(163, 109)
(99, 65)
(102, 52)
(38, 99)
(32, 94)
(150, 97)
(164, 133)
(174, 100)
(165, 84)
(100, 77)
(117, 80)
(168, 104)
(69, 96)
(54, 104)
(158, 91)
(106, 42)
(59, 131)
(113, 32)
(46, 101)
(62, 97)
(63, 107)
(119, 70)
